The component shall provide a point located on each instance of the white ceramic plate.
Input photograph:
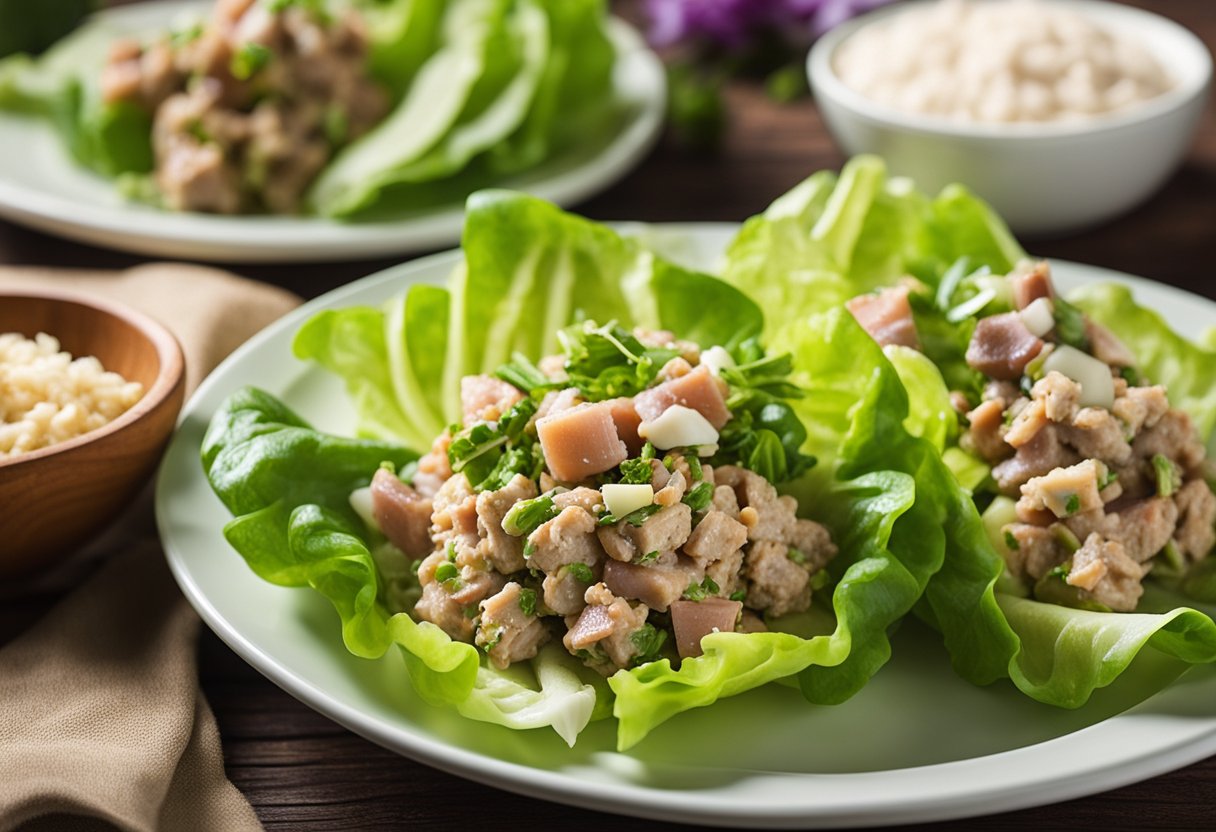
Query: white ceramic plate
(916, 744)
(40, 185)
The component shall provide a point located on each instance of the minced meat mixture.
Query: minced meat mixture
(250, 106)
(531, 550)
(1107, 476)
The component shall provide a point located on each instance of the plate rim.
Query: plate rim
(952, 796)
(140, 230)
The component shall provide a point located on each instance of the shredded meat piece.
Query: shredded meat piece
(506, 632)
(497, 547)
(664, 531)
(568, 538)
(1196, 512)
(986, 430)
(776, 584)
(1104, 571)
(1037, 457)
(607, 625)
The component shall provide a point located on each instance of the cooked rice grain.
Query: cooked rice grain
(46, 397)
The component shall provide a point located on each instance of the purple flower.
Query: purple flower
(733, 23)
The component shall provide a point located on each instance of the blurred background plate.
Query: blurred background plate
(42, 187)
(916, 744)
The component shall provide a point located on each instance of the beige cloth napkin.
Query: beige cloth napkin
(102, 723)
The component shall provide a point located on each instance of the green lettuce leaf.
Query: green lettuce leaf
(529, 270)
(834, 237)
(288, 488)
(890, 539)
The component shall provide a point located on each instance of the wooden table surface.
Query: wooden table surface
(303, 772)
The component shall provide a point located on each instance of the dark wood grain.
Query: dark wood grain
(303, 772)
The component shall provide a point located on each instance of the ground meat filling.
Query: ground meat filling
(1105, 494)
(249, 107)
(511, 563)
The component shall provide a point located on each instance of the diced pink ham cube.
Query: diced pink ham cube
(887, 316)
(699, 390)
(1029, 286)
(625, 414)
(693, 620)
(1002, 346)
(580, 442)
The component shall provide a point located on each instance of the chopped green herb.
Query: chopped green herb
(1070, 324)
(648, 641)
(447, 571)
(639, 516)
(1011, 542)
(1172, 559)
(607, 519)
(694, 465)
(1110, 479)
(796, 556)
(700, 497)
(196, 129)
(184, 36)
(522, 373)
(527, 515)
(581, 572)
(820, 579)
(1130, 375)
(647, 450)
(527, 601)
(248, 60)
(1061, 571)
(636, 472)
(450, 551)
(738, 595)
(529, 549)
(605, 362)
(1168, 478)
(1073, 504)
(336, 125)
(669, 462)
(1034, 370)
(701, 591)
(471, 611)
(648, 558)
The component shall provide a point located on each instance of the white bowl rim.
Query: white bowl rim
(824, 81)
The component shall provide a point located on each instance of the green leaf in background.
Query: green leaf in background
(32, 27)
(834, 237)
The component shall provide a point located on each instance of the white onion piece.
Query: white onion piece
(361, 502)
(715, 358)
(1039, 317)
(1097, 386)
(621, 498)
(679, 427)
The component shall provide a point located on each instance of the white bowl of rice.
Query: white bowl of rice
(1061, 114)
(89, 395)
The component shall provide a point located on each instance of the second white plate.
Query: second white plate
(40, 185)
(917, 744)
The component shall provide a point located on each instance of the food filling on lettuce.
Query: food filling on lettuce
(1100, 480)
(617, 498)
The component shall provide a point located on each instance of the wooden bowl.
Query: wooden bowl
(56, 498)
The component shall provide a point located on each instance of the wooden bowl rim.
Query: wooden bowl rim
(170, 376)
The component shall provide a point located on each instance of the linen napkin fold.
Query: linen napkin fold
(102, 723)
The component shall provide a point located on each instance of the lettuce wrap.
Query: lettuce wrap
(834, 237)
(528, 270)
